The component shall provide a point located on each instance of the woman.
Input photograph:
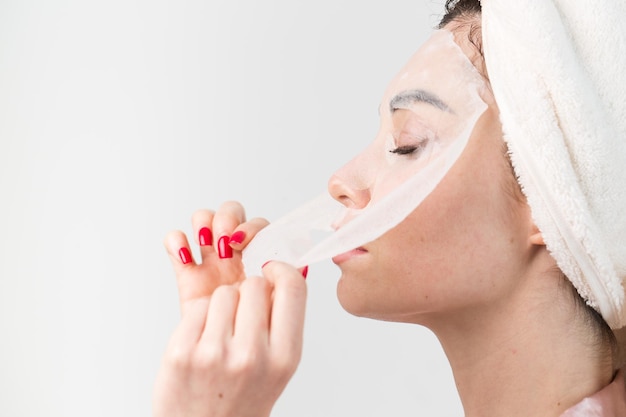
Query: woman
(470, 262)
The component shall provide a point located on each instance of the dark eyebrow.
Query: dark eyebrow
(406, 98)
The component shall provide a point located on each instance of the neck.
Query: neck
(523, 359)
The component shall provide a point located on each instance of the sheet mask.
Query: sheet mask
(430, 107)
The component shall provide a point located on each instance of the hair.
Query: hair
(466, 13)
(460, 11)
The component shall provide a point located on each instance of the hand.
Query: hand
(234, 352)
(221, 235)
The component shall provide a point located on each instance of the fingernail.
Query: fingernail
(223, 248)
(185, 255)
(263, 266)
(238, 237)
(205, 237)
(305, 271)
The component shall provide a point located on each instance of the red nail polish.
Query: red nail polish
(223, 248)
(238, 237)
(185, 255)
(205, 237)
(305, 271)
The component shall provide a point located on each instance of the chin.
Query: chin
(347, 298)
(359, 302)
(354, 300)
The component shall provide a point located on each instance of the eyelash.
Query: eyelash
(408, 149)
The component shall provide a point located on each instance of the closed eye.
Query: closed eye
(409, 149)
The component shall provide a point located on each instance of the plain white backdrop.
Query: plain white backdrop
(120, 118)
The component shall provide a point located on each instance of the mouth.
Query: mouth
(344, 257)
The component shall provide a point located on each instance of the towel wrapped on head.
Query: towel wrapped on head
(558, 72)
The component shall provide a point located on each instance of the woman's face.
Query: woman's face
(466, 243)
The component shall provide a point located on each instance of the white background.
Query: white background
(120, 118)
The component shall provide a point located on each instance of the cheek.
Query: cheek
(471, 239)
(439, 258)
(407, 270)
(451, 251)
(460, 247)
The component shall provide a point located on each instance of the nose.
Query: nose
(347, 188)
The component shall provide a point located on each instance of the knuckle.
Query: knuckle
(254, 287)
(201, 215)
(287, 363)
(282, 370)
(178, 357)
(294, 288)
(173, 238)
(259, 222)
(209, 357)
(248, 360)
(254, 284)
(225, 292)
(231, 206)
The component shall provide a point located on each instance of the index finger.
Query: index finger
(230, 215)
(245, 232)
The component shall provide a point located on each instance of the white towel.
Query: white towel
(558, 72)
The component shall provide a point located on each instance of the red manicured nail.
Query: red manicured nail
(223, 248)
(305, 271)
(185, 255)
(205, 237)
(238, 237)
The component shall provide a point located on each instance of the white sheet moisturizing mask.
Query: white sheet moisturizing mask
(427, 116)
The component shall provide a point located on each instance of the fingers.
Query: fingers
(213, 230)
(264, 313)
(223, 231)
(221, 350)
(221, 237)
(230, 215)
(190, 285)
(177, 248)
(240, 312)
(243, 234)
(253, 315)
(220, 322)
(202, 223)
(287, 319)
(189, 331)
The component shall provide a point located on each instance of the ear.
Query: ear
(536, 238)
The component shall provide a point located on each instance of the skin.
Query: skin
(237, 339)
(452, 235)
(468, 263)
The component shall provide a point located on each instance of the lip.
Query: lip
(344, 257)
